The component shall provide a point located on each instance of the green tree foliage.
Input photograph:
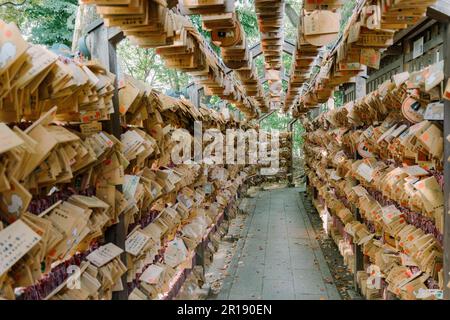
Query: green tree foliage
(346, 12)
(279, 121)
(338, 99)
(247, 17)
(290, 30)
(44, 21)
(146, 65)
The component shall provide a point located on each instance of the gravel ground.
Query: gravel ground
(341, 276)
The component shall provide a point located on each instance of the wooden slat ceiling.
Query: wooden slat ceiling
(305, 53)
(151, 24)
(162, 25)
(364, 37)
(270, 14)
(220, 18)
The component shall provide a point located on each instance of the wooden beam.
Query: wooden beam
(392, 51)
(265, 116)
(194, 93)
(291, 167)
(402, 33)
(360, 92)
(256, 50)
(292, 15)
(94, 25)
(288, 47)
(105, 51)
(421, 28)
(440, 11)
(115, 35)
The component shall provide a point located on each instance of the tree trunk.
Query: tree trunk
(177, 81)
(78, 27)
(86, 14)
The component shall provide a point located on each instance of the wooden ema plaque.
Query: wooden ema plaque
(190, 7)
(270, 22)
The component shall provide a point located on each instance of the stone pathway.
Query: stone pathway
(278, 256)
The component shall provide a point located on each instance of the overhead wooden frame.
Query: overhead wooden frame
(151, 24)
(370, 29)
(317, 26)
(270, 15)
(219, 17)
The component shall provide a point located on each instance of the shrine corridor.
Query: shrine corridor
(278, 256)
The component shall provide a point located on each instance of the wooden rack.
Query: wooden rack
(397, 57)
(270, 14)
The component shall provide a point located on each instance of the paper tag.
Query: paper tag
(360, 191)
(91, 128)
(131, 140)
(434, 75)
(434, 111)
(365, 171)
(186, 201)
(389, 213)
(321, 22)
(152, 275)
(171, 212)
(130, 185)
(415, 171)
(208, 188)
(387, 133)
(136, 242)
(407, 260)
(398, 131)
(374, 279)
(400, 78)
(176, 252)
(368, 132)
(426, 293)
(107, 140)
(104, 254)
(418, 48)
(199, 196)
(15, 241)
(335, 176)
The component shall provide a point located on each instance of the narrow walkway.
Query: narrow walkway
(278, 256)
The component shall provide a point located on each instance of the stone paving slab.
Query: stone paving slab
(278, 256)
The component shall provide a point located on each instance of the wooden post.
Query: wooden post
(446, 168)
(194, 93)
(291, 168)
(360, 87)
(359, 256)
(103, 47)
